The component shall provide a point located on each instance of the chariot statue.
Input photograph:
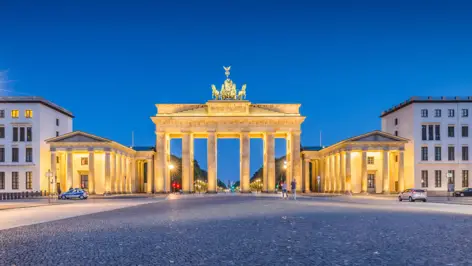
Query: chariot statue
(228, 89)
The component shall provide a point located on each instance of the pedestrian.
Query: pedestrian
(294, 189)
(284, 190)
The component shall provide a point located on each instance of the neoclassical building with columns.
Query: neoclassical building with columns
(370, 163)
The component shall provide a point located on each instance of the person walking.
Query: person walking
(294, 189)
(284, 190)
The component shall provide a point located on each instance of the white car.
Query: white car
(413, 194)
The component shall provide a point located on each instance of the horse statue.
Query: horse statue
(215, 94)
(242, 93)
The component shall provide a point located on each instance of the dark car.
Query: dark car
(465, 192)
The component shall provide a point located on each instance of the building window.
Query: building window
(424, 112)
(465, 153)
(450, 153)
(57, 159)
(451, 176)
(437, 178)
(57, 133)
(28, 113)
(465, 178)
(2, 154)
(2, 180)
(15, 133)
(465, 112)
(450, 112)
(15, 113)
(29, 155)
(424, 153)
(423, 132)
(57, 121)
(465, 131)
(424, 178)
(437, 132)
(437, 112)
(14, 155)
(2, 132)
(450, 131)
(22, 134)
(437, 153)
(2, 113)
(396, 121)
(29, 134)
(430, 132)
(15, 184)
(370, 160)
(84, 161)
(84, 181)
(396, 158)
(29, 180)
(371, 181)
(396, 132)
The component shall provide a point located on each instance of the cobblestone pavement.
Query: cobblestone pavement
(246, 231)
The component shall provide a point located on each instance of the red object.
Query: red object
(178, 185)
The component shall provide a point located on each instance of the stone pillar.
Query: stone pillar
(149, 175)
(336, 172)
(385, 173)
(269, 163)
(244, 151)
(117, 173)
(167, 161)
(327, 185)
(211, 161)
(113, 173)
(288, 159)
(124, 171)
(70, 170)
(91, 170)
(192, 166)
(160, 174)
(53, 169)
(306, 174)
(107, 173)
(314, 174)
(134, 181)
(333, 173)
(401, 178)
(297, 161)
(364, 172)
(186, 162)
(342, 172)
(348, 176)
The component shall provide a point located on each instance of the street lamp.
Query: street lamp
(49, 176)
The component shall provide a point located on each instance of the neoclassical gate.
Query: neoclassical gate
(226, 116)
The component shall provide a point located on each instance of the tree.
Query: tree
(198, 173)
(280, 173)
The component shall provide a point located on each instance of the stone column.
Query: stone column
(91, 170)
(288, 159)
(244, 151)
(306, 174)
(364, 172)
(211, 161)
(342, 172)
(113, 173)
(54, 168)
(327, 185)
(149, 175)
(107, 173)
(401, 179)
(117, 173)
(385, 173)
(70, 170)
(297, 161)
(348, 176)
(192, 166)
(336, 172)
(167, 161)
(186, 162)
(269, 163)
(134, 181)
(314, 174)
(124, 173)
(160, 174)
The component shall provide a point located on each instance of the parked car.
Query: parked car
(74, 193)
(465, 192)
(413, 194)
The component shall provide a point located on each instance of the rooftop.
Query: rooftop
(35, 99)
(143, 148)
(427, 99)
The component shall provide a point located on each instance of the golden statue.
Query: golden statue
(228, 89)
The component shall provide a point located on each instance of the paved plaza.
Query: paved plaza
(240, 230)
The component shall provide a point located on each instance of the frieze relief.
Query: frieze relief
(233, 122)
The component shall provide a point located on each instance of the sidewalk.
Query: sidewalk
(28, 203)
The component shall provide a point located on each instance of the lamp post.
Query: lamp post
(49, 176)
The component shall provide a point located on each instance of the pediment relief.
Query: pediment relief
(77, 137)
(377, 136)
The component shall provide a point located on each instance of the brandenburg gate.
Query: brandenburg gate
(227, 115)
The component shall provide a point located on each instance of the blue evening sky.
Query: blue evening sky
(109, 62)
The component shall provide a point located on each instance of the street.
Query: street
(246, 230)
